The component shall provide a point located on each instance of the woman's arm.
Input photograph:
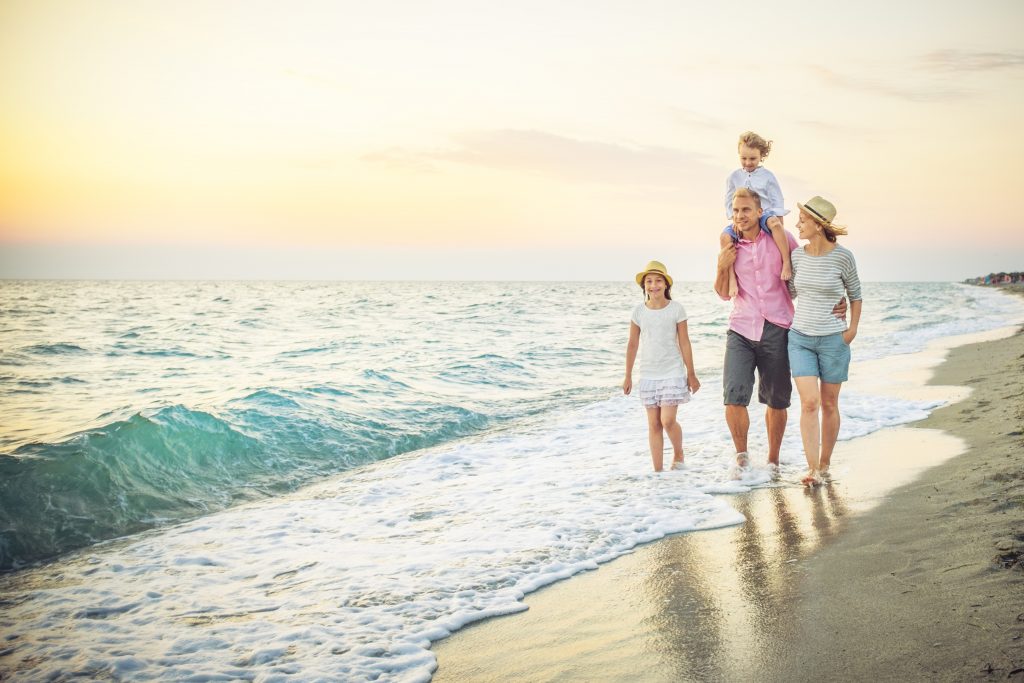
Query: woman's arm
(851, 331)
(631, 346)
(683, 337)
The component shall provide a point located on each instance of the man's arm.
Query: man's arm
(726, 259)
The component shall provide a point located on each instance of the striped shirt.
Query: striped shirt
(819, 282)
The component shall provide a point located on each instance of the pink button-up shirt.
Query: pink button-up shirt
(762, 296)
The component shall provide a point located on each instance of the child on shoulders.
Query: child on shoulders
(753, 149)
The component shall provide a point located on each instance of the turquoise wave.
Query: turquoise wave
(177, 463)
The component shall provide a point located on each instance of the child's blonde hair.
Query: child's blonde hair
(755, 141)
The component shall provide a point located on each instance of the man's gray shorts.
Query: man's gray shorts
(771, 358)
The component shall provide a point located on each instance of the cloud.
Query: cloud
(401, 159)
(875, 86)
(695, 119)
(971, 61)
(542, 153)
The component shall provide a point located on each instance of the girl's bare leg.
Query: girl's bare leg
(674, 431)
(734, 288)
(656, 438)
(779, 236)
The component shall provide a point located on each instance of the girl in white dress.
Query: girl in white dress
(666, 377)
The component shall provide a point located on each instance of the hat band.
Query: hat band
(817, 215)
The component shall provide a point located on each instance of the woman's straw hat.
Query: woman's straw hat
(823, 211)
(654, 267)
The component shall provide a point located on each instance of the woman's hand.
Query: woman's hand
(849, 335)
(693, 383)
(627, 385)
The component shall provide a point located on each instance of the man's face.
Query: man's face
(745, 214)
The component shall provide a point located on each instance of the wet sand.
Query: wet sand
(906, 568)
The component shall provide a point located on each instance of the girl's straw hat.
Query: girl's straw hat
(654, 267)
(823, 211)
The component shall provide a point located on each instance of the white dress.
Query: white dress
(661, 375)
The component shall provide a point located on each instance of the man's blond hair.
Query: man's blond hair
(750, 194)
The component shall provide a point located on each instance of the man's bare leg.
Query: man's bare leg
(775, 421)
(738, 420)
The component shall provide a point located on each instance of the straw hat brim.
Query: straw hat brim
(640, 276)
(835, 227)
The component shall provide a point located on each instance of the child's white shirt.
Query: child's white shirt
(659, 346)
(764, 183)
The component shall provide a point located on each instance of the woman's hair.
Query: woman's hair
(755, 141)
(828, 232)
(668, 287)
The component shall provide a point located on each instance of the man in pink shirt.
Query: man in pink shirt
(758, 327)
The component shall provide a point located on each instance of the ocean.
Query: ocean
(314, 481)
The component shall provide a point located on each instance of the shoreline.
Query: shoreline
(908, 566)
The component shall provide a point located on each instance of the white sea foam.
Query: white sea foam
(353, 578)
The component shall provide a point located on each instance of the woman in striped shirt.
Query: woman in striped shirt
(819, 342)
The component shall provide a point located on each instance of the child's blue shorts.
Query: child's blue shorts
(731, 232)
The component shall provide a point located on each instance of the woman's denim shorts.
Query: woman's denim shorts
(827, 357)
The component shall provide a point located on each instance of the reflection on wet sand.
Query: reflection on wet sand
(723, 606)
(705, 606)
(709, 605)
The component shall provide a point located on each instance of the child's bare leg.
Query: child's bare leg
(734, 287)
(656, 438)
(779, 235)
(674, 431)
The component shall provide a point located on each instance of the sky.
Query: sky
(494, 140)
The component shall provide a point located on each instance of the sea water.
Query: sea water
(307, 481)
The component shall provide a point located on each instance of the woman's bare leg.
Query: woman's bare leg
(829, 422)
(810, 428)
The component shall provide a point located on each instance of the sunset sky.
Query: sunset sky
(497, 140)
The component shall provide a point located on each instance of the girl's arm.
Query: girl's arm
(631, 347)
(683, 337)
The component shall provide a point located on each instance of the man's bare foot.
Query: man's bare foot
(742, 465)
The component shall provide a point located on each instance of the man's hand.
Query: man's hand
(839, 310)
(727, 257)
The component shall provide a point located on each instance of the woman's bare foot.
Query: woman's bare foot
(810, 479)
(677, 465)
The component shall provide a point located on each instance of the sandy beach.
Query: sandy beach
(908, 567)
